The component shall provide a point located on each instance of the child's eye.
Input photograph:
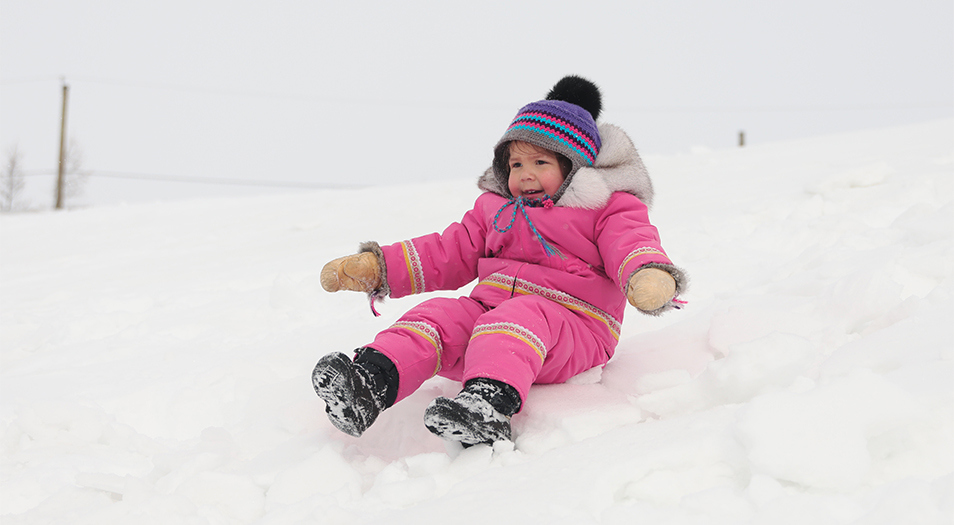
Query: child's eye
(515, 165)
(541, 161)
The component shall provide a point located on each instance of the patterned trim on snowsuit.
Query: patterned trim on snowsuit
(509, 283)
(645, 250)
(513, 330)
(415, 269)
(429, 333)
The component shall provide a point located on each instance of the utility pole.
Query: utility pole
(741, 139)
(61, 171)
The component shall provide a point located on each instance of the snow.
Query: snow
(156, 358)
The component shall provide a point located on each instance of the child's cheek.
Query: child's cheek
(514, 188)
(553, 184)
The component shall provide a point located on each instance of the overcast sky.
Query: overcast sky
(316, 92)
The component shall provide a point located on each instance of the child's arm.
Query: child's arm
(438, 261)
(634, 258)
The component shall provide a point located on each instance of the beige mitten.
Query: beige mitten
(360, 272)
(650, 289)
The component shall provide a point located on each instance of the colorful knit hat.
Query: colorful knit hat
(564, 122)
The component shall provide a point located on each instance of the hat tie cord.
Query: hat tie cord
(521, 204)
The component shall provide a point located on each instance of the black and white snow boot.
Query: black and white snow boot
(480, 414)
(355, 392)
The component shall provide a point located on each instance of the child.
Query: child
(559, 241)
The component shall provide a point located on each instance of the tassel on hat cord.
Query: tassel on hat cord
(521, 203)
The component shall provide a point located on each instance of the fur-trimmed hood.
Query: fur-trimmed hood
(617, 168)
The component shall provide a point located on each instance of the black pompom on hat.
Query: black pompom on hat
(579, 91)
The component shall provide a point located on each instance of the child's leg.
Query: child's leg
(525, 340)
(530, 339)
(428, 339)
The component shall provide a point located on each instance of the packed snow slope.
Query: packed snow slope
(156, 359)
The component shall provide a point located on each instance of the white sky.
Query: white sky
(380, 92)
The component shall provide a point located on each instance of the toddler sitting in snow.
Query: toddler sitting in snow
(559, 241)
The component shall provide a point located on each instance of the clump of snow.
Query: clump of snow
(156, 359)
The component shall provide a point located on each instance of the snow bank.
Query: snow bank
(156, 359)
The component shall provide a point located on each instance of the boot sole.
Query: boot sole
(451, 421)
(333, 379)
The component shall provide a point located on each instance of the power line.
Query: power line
(196, 180)
(418, 103)
(310, 97)
(215, 180)
(788, 108)
(27, 80)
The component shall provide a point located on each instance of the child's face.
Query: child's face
(534, 171)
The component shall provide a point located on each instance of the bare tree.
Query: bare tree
(75, 177)
(11, 180)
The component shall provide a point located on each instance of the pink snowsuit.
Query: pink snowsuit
(532, 317)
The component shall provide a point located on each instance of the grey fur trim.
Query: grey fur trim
(618, 167)
(682, 284)
(488, 182)
(375, 248)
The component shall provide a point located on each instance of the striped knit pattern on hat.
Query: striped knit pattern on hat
(566, 126)
(556, 120)
(555, 125)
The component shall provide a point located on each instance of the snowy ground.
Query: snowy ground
(156, 359)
